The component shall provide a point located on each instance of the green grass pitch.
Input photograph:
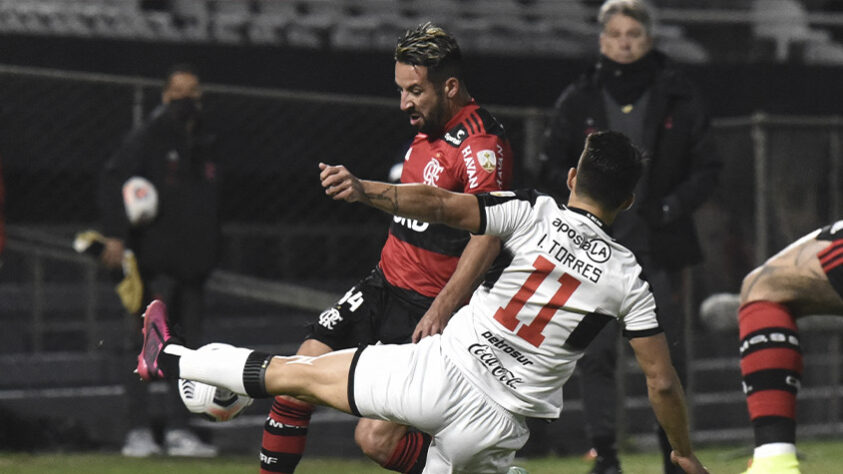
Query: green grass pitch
(818, 457)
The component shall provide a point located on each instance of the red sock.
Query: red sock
(284, 436)
(410, 454)
(771, 367)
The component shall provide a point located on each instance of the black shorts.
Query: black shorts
(831, 257)
(371, 311)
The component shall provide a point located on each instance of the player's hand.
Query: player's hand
(340, 184)
(433, 322)
(689, 464)
(112, 254)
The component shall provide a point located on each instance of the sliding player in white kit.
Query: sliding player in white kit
(504, 356)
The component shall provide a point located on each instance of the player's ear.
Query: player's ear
(572, 176)
(452, 87)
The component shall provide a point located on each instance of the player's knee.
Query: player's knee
(376, 444)
(367, 440)
(757, 286)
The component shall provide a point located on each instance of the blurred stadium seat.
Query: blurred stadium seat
(564, 28)
(695, 31)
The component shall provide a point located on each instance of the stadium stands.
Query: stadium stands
(692, 31)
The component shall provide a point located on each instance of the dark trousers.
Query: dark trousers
(185, 301)
(597, 367)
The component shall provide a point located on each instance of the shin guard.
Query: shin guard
(284, 436)
(771, 368)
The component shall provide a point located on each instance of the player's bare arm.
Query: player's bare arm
(415, 201)
(666, 397)
(475, 260)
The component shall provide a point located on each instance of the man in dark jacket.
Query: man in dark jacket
(178, 248)
(634, 89)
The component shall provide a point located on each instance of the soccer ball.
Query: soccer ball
(214, 403)
(140, 199)
(719, 312)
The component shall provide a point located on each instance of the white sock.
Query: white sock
(773, 449)
(215, 364)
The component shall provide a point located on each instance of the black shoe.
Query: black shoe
(606, 466)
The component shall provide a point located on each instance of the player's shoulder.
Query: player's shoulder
(474, 121)
(527, 196)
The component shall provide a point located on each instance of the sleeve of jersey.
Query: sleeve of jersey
(480, 164)
(503, 212)
(639, 311)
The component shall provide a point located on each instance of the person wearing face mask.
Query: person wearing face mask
(635, 89)
(176, 250)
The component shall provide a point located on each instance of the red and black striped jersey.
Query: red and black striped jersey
(472, 156)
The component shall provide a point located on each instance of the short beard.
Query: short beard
(436, 119)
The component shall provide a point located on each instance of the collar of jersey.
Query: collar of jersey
(591, 217)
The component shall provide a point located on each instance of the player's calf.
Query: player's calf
(771, 368)
(284, 435)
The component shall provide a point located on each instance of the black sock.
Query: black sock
(168, 363)
(254, 374)
(774, 429)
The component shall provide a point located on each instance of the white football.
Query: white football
(140, 199)
(214, 403)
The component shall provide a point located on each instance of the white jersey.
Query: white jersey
(519, 338)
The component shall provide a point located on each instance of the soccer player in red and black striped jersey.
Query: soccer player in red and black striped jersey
(804, 278)
(426, 270)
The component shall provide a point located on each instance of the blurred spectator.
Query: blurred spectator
(636, 90)
(177, 250)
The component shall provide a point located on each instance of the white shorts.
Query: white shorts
(417, 385)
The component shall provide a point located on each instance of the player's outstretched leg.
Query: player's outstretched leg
(239, 370)
(319, 380)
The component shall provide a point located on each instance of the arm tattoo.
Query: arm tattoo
(384, 197)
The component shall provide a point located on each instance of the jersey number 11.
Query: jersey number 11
(532, 332)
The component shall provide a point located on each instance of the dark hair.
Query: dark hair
(609, 168)
(430, 46)
(181, 68)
